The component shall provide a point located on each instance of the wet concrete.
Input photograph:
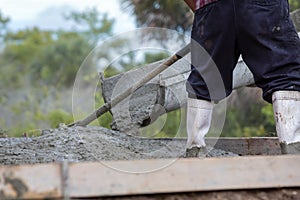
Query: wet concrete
(79, 144)
(134, 111)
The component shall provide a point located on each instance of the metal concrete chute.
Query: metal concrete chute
(164, 93)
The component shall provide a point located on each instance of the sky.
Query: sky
(47, 14)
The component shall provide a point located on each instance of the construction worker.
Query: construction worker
(262, 32)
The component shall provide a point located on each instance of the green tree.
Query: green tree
(37, 67)
(57, 63)
(248, 115)
(53, 58)
(172, 14)
(92, 24)
(294, 4)
(3, 26)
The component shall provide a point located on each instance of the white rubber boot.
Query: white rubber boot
(199, 114)
(286, 106)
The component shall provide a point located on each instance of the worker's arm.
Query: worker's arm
(191, 4)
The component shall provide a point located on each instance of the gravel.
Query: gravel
(79, 144)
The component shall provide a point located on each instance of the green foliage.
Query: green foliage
(172, 124)
(173, 14)
(106, 119)
(36, 66)
(168, 127)
(52, 58)
(55, 117)
(3, 26)
(294, 4)
(151, 58)
(56, 64)
(94, 25)
(19, 131)
(47, 61)
(256, 120)
(3, 20)
(267, 111)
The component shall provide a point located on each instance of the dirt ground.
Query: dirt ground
(267, 194)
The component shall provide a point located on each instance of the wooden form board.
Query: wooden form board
(31, 181)
(248, 146)
(241, 146)
(167, 176)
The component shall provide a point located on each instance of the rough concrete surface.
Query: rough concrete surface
(78, 144)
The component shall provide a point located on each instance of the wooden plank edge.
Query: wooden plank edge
(122, 178)
(38, 181)
(239, 145)
(119, 178)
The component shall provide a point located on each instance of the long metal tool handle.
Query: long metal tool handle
(107, 106)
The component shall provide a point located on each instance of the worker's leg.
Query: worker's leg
(199, 113)
(214, 56)
(271, 48)
(214, 52)
(286, 105)
(269, 44)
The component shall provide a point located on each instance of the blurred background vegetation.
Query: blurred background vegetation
(38, 69)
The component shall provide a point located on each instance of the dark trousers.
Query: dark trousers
(261, 31)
